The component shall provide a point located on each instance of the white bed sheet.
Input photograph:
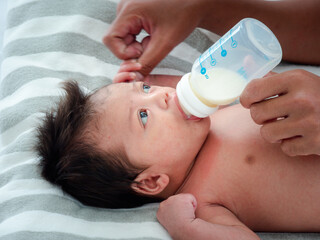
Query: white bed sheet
(3, 7)
(31, 208)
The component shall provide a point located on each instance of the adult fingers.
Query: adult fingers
(270, 109)
(120, 38)
(155, 49)
(260, 89)
(298, 146)
(279, 130)
(269, 74)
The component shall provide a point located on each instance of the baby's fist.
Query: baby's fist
(177, 211)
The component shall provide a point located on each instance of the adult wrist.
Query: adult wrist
(210, 11)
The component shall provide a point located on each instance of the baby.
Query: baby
(128, 144)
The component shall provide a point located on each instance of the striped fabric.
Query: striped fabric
(47, 42)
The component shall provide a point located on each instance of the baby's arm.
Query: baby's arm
(177, 215)
(128, 72)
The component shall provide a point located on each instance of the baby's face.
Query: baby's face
(147, 123)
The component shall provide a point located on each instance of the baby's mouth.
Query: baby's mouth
(184, 115)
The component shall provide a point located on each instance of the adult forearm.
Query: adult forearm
(294, 22)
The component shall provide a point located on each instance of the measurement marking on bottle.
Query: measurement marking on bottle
(234, 43)
(203, 70)
(213, 60)
(223, 51)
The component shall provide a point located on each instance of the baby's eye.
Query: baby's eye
(143, 116)
(146, 88)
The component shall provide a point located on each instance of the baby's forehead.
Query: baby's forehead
(100, 95)
(107, 99)
(107, 103)
(115, 94)
(108, 91)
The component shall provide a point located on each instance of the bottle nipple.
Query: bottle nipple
(188, 115)
(184, 112)
(219, 75)
(189, 102)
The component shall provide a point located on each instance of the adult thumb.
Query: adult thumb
(155, 48)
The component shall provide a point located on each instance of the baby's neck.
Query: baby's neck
(175, 186)
(189, 170)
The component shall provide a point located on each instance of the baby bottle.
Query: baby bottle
(249, 50)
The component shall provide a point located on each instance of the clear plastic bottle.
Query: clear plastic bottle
(249, 50)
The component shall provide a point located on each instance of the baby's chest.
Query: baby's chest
(263, 190)
(238, 182)
(210, 183)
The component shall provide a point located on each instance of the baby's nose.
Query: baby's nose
(162, 98)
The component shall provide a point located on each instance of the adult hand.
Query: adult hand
(177, 212)
(293, 116)
(167, 22)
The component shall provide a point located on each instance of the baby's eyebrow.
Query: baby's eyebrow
(136, 86)
(131, 117)
(132, 86)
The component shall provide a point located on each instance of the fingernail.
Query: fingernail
(138, 52)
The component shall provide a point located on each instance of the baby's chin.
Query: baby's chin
(201, 127)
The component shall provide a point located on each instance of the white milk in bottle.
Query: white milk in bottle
(249, 50)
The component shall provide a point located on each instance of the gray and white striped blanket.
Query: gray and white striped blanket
(45, 43)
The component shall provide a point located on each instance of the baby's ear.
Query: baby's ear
(150, 183)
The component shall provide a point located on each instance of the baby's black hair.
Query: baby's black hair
(71, 159)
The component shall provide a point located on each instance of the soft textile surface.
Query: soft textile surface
(3, 5)
(47, 42)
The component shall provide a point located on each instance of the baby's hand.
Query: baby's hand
(128, 72)
(177, 212)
